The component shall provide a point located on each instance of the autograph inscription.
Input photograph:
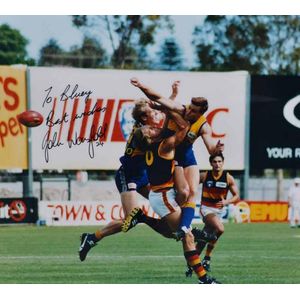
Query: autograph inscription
(52, 138)
(65, 95)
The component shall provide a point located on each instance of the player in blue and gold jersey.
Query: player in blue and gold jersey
(130, 179)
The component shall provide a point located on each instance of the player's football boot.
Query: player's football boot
(189, 271)
(86, 243)
(202, 235)
(178, 235)
(208, 280)
(132, 219)
(206, 264)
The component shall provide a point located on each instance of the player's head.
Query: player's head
(145, 115)
(144, 136)
(217, 161)
(197, 108)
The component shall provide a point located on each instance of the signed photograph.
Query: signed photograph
(150, 149)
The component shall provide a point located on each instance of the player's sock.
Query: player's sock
(158, 225)
(187, 214)
(97, 236)
(194, 261)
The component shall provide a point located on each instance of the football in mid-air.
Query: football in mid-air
(30, 118)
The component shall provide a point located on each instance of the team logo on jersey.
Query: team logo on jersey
(221, 184)
(209, 183)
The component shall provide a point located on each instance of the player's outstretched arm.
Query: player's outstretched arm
(175, 87)
(211, 147)
(154, 96)
(173, 141)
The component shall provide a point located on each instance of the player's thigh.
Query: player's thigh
(192, 176)
(129, 201)
(181, 184)
(173, 219)
(144, 191)
(214, 222)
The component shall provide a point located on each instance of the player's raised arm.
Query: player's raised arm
(173, 141)
(173, 95)
(211, 147)
(175, 87)
(154, 96)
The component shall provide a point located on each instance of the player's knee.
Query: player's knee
(193, 191)
(189, 239)
(184, 192)
(220, 229)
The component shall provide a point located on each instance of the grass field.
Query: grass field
(247, 253)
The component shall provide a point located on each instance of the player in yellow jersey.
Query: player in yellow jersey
(194, 113)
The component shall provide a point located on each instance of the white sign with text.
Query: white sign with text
(88, 113)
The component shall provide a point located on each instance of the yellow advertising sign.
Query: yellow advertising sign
(13, 136)
(261, 211)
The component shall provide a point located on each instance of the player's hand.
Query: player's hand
(134, 81)
(175, 87)
(155, 105)
(219, 147)
(221, 203)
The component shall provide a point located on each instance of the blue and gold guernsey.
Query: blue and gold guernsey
(214, 189)
(160, 169)
(133, 158)
(184, 152)
(132, 174)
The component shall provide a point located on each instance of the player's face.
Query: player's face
(192, 113)
(217, 164)
(154, 117)
(151, 132)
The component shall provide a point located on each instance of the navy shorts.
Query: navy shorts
(127, 181)
(185, 156)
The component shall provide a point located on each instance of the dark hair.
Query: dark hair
(200, 102)
(213, 156)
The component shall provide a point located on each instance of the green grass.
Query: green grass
(247, 253)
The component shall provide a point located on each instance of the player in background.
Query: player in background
(294, 203)
(159, 157)
(216, 184)
(194, 113)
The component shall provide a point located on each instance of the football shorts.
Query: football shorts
(127, 181)
(163, 203)
(206, 210)
(185, 156)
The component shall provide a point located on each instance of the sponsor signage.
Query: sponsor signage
(69, 213)
(88, 113)
(18, 210)
(77, 213)
(275, 122)
(261, 211)
(13, 136)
